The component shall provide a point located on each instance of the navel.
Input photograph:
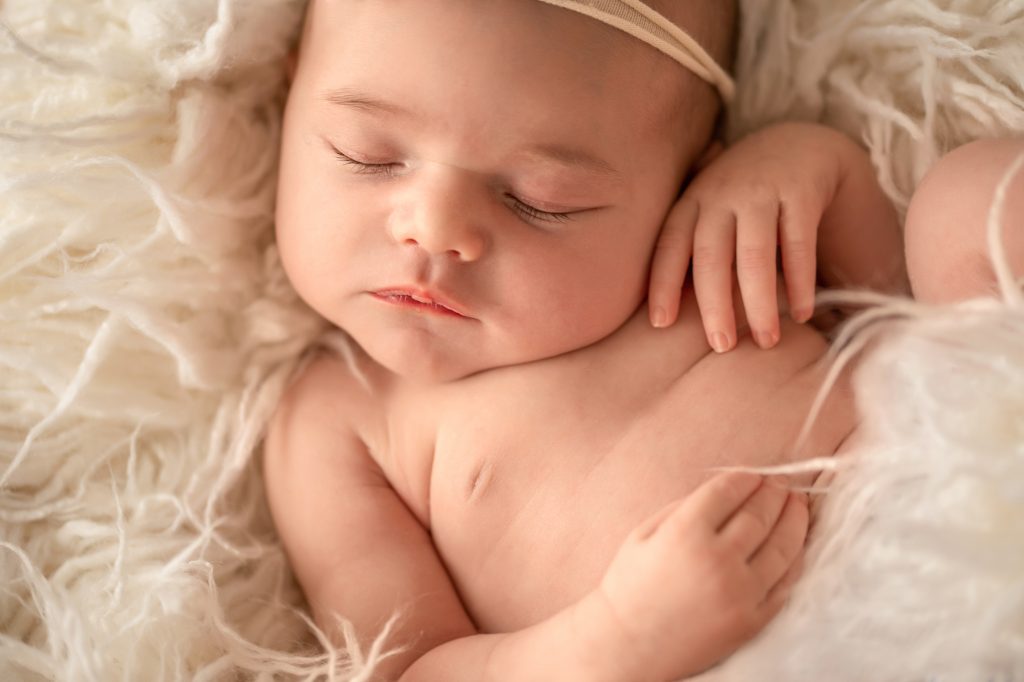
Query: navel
(480, 480)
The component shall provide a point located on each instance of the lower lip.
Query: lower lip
(410, 303)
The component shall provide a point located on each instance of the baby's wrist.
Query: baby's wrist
(602, 646)
(580, 643)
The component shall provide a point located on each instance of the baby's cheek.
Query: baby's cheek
(306, 253)
(304, 242)
(593, 299)
(295, 261)
(288, 229)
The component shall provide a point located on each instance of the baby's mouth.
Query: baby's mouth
(416, 300)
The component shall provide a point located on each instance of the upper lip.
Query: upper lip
(422, 295)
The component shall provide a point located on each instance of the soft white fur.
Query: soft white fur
(146, 331)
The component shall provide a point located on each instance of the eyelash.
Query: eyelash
(387, 170)
(530, 212)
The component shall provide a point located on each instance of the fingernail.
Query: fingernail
(659, 317)
(802, 315)
(766, 339)
(720, 342)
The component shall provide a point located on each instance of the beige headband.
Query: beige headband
(642, 22)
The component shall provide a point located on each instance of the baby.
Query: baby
(481, 194)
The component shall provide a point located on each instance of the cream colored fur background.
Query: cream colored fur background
(146, 331)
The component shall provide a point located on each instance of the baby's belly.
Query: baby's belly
(538, 478)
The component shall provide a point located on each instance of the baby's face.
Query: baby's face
(468, 184)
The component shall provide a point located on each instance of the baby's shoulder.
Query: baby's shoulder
(336, 387)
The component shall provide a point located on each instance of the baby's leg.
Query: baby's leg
(946, 238)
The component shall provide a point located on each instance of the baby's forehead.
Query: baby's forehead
(520, 53)
(520, 28)
(545, 16)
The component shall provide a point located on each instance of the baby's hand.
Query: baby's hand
(767, 193)
(705, 574)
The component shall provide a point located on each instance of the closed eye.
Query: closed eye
(385, 169)
(532, 212)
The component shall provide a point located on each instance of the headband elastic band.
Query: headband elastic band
(643, 23)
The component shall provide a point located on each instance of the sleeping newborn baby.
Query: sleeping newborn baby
(518, 454)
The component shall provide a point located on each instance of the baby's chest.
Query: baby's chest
(530, 497)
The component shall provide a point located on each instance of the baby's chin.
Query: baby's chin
(435, 354)
(424, 363)
(415, 371)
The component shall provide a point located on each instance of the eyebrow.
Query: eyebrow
(574, 158)
(564, 155)
(345, 97)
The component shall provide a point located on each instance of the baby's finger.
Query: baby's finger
(670, 263)
(718, 499)
(783, 545)
(756, 244)
(798, 236)
(781, 591)
(714, 247)
(652, 523)
(755, 520)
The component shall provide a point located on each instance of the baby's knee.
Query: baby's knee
(946, 239)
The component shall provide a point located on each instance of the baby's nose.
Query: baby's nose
(437, 217)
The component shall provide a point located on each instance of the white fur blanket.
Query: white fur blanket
(146, 331)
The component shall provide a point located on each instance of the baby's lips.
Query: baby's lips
(422, 296)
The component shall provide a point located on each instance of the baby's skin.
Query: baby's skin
(514, 456)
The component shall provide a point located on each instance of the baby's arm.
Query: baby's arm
(357, 550)
(798, 190)
(860, 243)
(688, 587)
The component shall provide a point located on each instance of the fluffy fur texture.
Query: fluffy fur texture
(911, 80)
(146, 332)
(914, 567)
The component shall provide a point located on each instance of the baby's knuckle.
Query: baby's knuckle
(708, 185)
(714, 315)
(790, 544)
(709, 258)
(677, 529)
(741, 620)
(721, 585)
(776, 559)
(754, 257)
(736, 545)
(774, 604)
(682, 212)
(731, 485)
(799, 248)
(801, 514)
(815, 191)
(672, 240)
(804, 193)
(760, 524)
(760, 194)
